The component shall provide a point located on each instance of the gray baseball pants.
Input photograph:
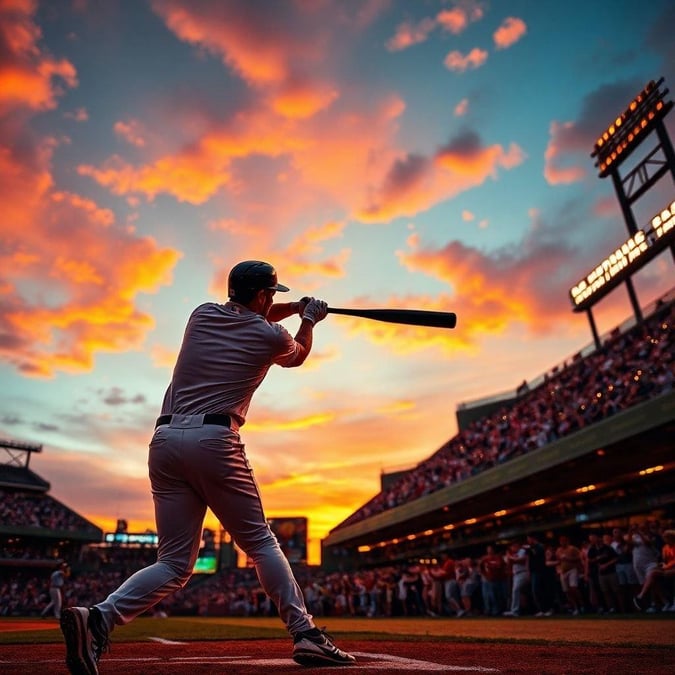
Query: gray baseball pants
(194, 465)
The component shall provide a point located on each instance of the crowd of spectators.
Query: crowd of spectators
(630, 368)
(37, 510)
(611, 571)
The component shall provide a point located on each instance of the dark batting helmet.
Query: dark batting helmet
(248, 277)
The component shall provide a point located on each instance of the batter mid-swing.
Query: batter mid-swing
(197, 460)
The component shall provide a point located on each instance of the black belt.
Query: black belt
(209, 418)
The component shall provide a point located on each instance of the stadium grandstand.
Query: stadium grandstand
(589, 444)
(36, 530)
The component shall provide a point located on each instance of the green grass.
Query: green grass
(624, 631)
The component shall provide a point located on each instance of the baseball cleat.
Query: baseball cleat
(85, 637)
(315, 648)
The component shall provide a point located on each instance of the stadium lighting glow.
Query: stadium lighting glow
(538, 502)
(449, 527)
(410, 537)
(630, 256)
(470, 521)
(500, 513)
(586, 488)
(428, 533)
(630, 127)
(651, 469)
(364, 549)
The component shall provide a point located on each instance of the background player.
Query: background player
(57, 581)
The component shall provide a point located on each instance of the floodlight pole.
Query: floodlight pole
(644, 114)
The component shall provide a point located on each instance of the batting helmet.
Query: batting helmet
(248, 277)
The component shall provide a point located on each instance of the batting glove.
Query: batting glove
(315, 310)
(302, 303)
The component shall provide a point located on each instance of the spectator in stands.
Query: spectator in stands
(570, 566)
(590, 555)
(450, 589)
(517, 560)
(625, 573)
(493, 581)
(540, 577)
(607, 578)
(645, 559)
(658, 580)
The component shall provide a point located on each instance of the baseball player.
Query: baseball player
(57, 581)
(197, 460)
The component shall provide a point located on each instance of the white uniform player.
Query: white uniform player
(57, 581)
(197, 460)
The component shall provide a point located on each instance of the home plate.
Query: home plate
(371, 661)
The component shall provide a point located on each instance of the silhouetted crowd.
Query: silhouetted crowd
(37, 510)
(617, 571)
(630, 368)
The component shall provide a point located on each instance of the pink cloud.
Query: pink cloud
(456, 19)
(458, 62)
(409, 34)
(511, 30)
(272, 47)
(131, 132)
(462, 107)
(79, 115)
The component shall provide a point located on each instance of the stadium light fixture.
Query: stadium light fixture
(538, 502)
(449, 527)
(470, 521)
(586, 488)
(628, 130)
(651, 469)
(500, 513)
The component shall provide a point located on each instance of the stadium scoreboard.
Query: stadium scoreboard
(624, 261)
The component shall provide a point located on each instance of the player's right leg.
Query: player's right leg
(227, 482)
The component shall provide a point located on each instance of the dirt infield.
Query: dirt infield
(228, 645)
(249, 657)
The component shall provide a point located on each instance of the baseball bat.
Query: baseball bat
(412, 317)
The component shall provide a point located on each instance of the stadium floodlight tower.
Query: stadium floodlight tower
(644, 114)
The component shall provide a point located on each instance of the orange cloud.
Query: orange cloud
(300, 100)
(414, 183)
(28, 77)
(489, 292)
(458, 62)
(69, 274)
(511, 30)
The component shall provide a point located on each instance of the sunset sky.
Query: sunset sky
(380, 153)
